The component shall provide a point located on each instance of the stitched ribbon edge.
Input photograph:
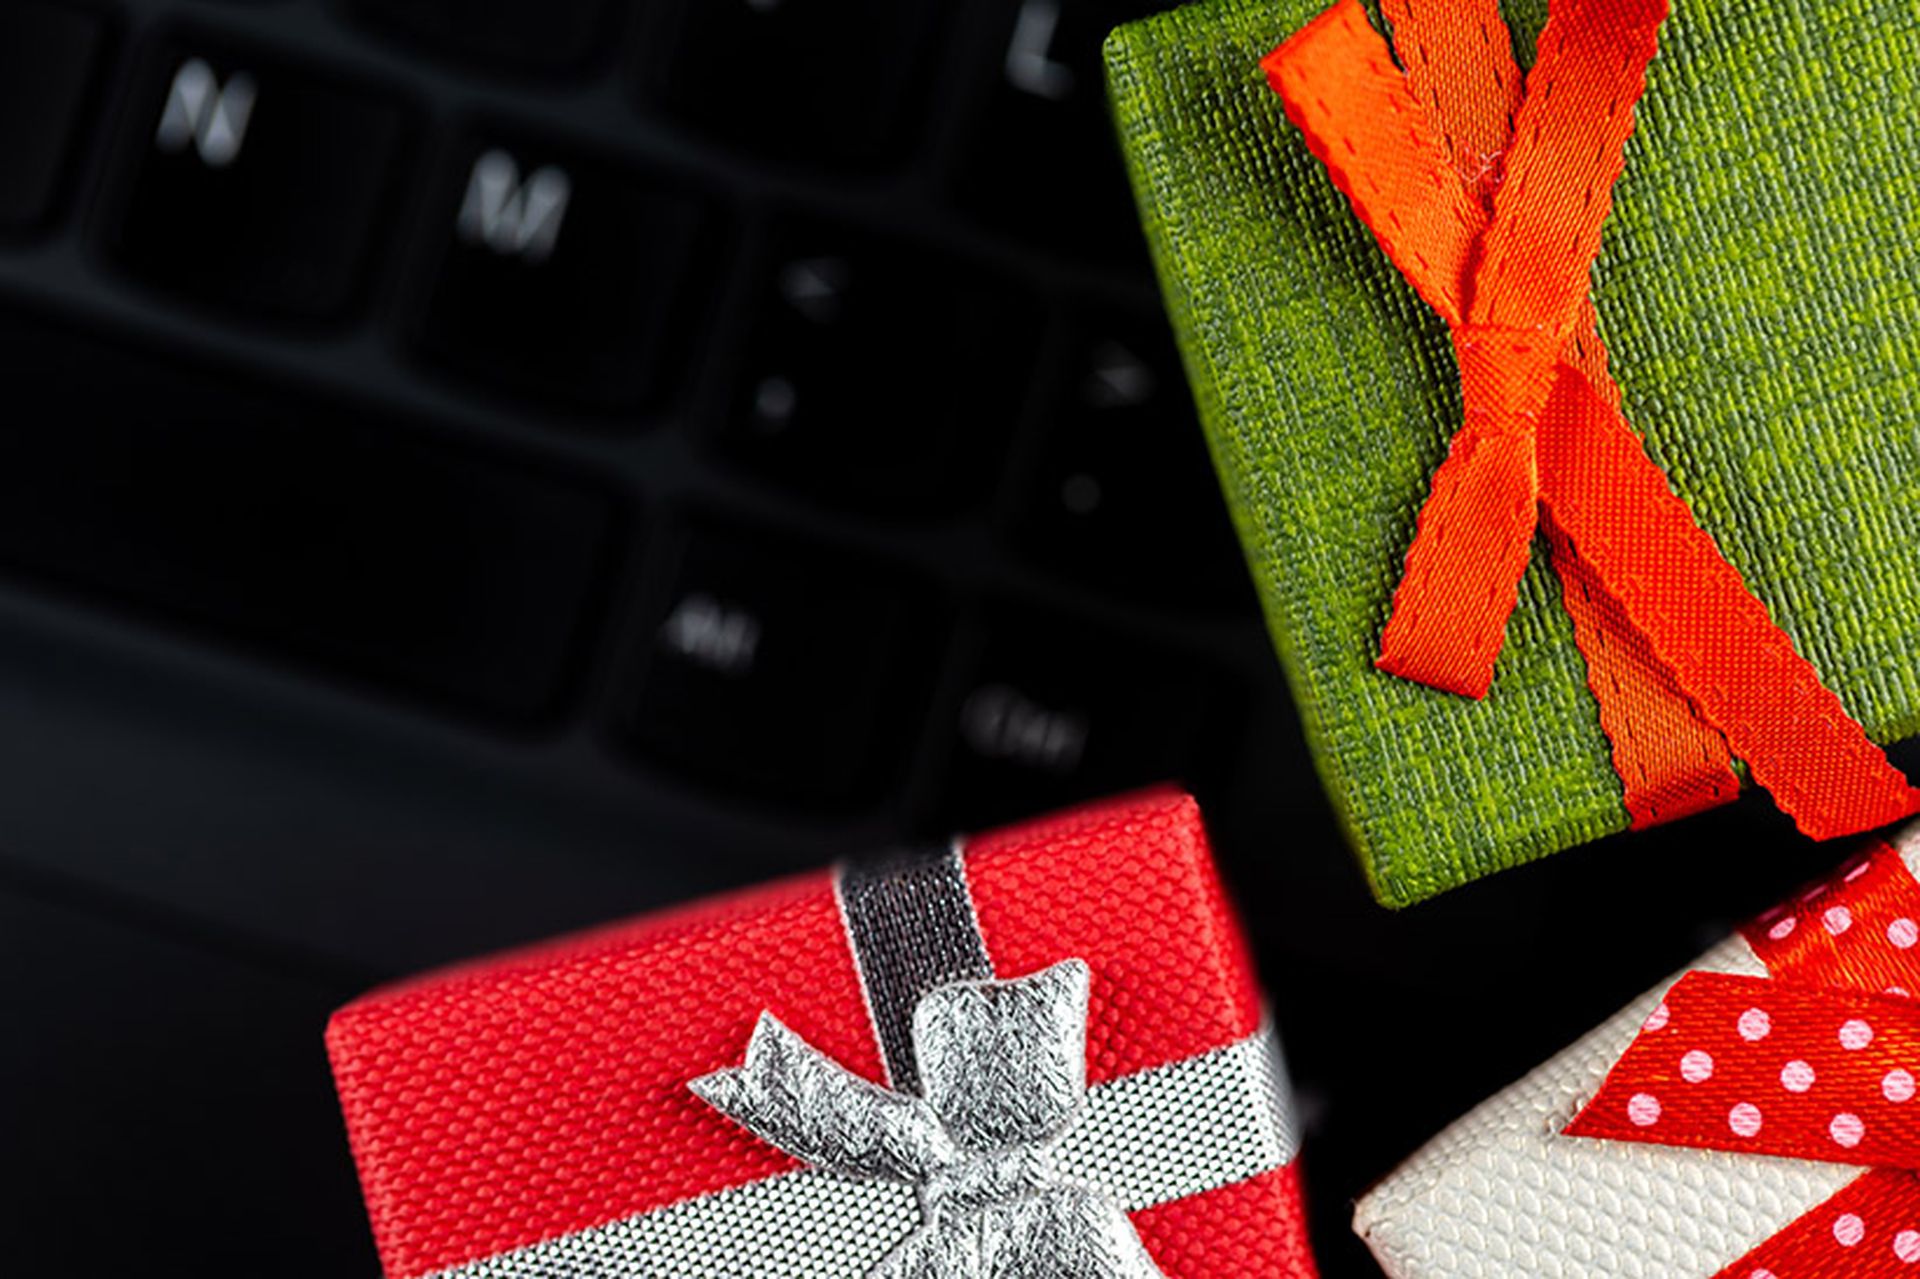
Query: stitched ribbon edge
(1793, 732)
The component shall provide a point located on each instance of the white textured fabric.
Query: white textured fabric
(1502, 1195)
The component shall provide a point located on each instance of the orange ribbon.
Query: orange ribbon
(1489, 192)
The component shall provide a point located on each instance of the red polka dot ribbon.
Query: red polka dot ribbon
(1822, 1061)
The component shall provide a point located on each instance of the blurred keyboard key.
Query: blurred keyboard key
(1123, 495)
(251, 181)
(779, 669)
(556, 274)
(1051, 712)
(832, 82)
(1041, 163)
(301, 527)
(878, 374)
(49, 55)
(516, 35)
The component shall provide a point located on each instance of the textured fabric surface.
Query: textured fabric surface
(1757, 291)
(1003, 1080)
(1543, 445)
(544, 1094)
(1864, 1232)
(1168, 1143)
(1815, 1061)
(910, 919)
(1135, 893)
(1810, 1062)
(1254, 1227)
(1504, 1194)
(1158, 1141)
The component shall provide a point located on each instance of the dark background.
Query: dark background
(341, 558)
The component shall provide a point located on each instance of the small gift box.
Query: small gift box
(1756, 1116)
(1040, 1051)
(1387, 306)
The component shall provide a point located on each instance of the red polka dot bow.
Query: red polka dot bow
(1822, 1062)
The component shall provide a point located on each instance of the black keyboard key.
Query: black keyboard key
(517, 35)
(1123, 495)
(878, 374)
(251, 181)
(1041, 163)
(778, 669)
(1051, 712)
(834, 82)
(558, 275)
(49, 55)
(300, 527)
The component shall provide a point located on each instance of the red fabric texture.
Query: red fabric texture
(517, 1099)
(513, 1101)
(1770, 1068)
(1490, 194)
(1851, 932)
(1820, 1061)
(1869, 1230)
(1142, 903)
(1252, 1230)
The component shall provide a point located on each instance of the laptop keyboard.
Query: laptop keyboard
(50, 56)
(773, 389)
(469, 468)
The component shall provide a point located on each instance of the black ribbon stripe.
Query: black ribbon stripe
(910, 918)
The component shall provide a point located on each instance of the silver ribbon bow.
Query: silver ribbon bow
(1003, 1079)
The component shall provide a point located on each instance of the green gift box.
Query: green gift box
(1759, 290)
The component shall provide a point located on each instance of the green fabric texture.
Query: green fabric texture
(1759, 290)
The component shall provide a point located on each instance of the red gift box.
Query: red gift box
(913, 1102)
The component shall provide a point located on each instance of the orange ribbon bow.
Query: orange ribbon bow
(1489, 192)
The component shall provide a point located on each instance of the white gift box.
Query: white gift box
(1503, 1194)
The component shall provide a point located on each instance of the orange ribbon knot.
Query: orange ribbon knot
(1489, 191)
